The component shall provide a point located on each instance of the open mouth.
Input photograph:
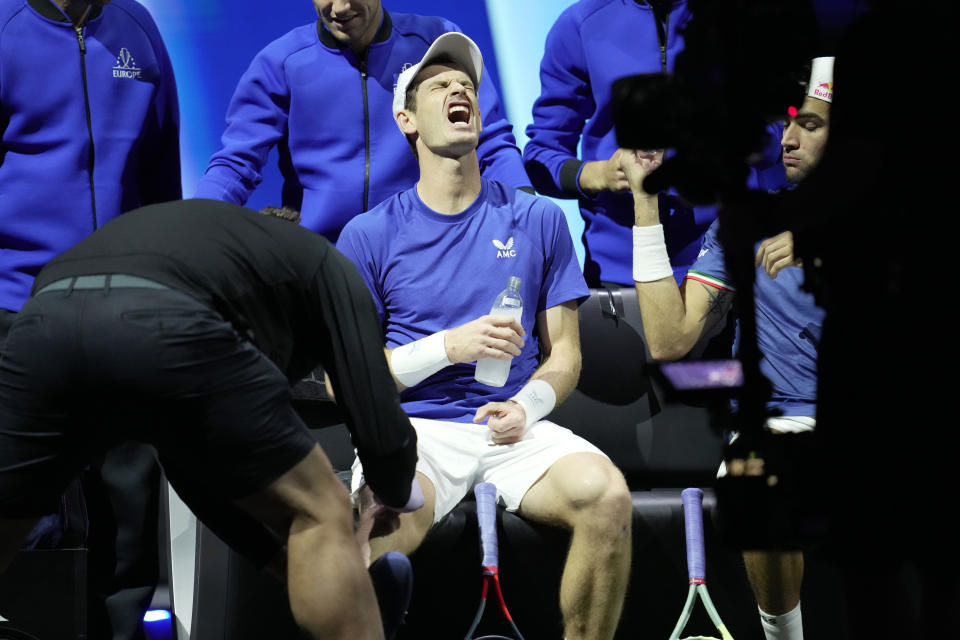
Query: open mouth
(459, 113)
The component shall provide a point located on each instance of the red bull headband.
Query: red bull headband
(821, 79)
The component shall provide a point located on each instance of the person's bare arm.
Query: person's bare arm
(674, 317)
(489, 336)
(499, 337)
(559, 332)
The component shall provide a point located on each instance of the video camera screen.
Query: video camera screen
(697, 375)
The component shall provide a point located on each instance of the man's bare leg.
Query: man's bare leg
(585, 493)
(413, 526)
(776, 578)
(330, 593)
(13, 531)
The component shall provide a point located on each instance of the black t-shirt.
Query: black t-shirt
(266, 276)
(258, 271)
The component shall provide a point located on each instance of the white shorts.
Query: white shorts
(456, 456)
(791, 424)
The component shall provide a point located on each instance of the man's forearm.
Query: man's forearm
(548, 386)
(413, 363)
(663, 313)
(662, 306)
(646, 209)
(561, 371)
(388, 354)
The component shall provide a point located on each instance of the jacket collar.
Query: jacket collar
(48, 9)
(386, 28)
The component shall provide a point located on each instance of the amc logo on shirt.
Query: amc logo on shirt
(505, 250)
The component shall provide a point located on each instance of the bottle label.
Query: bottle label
(511, 302)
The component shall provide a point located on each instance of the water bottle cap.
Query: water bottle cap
(513, 282)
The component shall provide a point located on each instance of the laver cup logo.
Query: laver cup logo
(824, 91)
(126, 66)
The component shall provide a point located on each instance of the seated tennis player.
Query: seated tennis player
(788, 321)
(435, 257)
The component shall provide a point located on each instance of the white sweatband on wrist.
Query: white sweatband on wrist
(538, 399)
(650, 259)
(415, 362)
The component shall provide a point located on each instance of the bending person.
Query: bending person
(106, 124)
(183, 325)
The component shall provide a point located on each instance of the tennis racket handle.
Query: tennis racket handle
(486, 494)
(693, 524)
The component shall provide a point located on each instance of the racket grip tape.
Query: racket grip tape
(693, 525)
(486, 494)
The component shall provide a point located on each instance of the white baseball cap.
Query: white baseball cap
(458, 47)
(821, 79)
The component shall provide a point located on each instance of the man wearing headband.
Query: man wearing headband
(788, 320)
(435, 257)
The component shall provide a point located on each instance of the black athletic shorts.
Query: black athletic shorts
(85, 369)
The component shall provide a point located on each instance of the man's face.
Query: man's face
(352, 22)
(804, 138)
(447, 117)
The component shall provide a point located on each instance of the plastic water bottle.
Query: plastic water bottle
(491, 371)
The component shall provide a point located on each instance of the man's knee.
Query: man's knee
(587, 488)
(601, 491)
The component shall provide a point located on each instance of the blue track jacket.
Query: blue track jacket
(88, 129)
(592, 44)
(329, 111)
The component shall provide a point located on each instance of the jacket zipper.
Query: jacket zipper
(662, 33)
(366, 133)
(86, 104)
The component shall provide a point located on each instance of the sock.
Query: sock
(786, 626)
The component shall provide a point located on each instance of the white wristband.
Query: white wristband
(538, 399)
(650, 259)
(415, 362)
